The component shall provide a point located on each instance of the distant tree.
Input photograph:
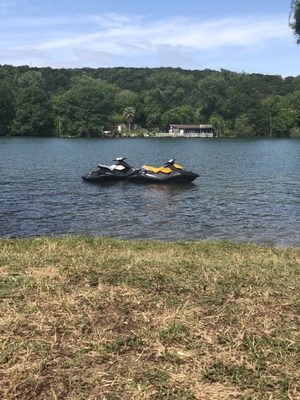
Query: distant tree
(7, 108)
(30, 78)
(33, 113)
(154, 105)
(295, 132)
(292, 101)
(129, 114)
(179, 115)
(209, 94)
(269, 107)
(126, 98)
(284, 121)
(218, 124)
(242, 126)
(85, 108)
(295, 18)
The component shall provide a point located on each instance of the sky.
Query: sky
(237, 35)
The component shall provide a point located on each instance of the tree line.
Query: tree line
(84, 101)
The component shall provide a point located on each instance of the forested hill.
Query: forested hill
(82, 102)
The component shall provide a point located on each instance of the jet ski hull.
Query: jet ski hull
(98, 177)
(148, 177)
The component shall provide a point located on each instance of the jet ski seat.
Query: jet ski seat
(164, 170)
(177, 166)
(112, 167)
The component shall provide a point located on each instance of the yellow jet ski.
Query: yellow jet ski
(169, 173)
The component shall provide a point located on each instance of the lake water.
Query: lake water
(248, 190)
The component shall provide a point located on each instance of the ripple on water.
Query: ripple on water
(247, 190)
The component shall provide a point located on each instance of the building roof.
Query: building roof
(180, 126)
(185, 126)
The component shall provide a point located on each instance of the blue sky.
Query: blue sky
(238, 35)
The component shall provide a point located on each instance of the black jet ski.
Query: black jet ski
(120, 170)
(169, 173)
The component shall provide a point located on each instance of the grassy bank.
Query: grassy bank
(84, 318)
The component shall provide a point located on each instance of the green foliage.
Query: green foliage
(218, 123)
(7, 108)
(295, 132)
(284, 121)
(242, 126)
(30, 78)
(129, 114)
(295, 14)
(33, 112)
(210, 93)
(85, 108)
(179, 115)
(154, 106)
(81, 102)
(126, 98)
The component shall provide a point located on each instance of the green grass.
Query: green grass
(87, 318)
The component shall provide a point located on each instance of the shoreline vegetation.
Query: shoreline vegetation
(158, 135)
(98, 318)
(83, 102)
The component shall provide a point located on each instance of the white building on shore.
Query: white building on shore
(201, 131)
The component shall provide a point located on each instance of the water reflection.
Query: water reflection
(171, 188)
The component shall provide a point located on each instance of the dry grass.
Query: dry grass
(85, 318)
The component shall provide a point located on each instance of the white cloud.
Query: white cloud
(112, 38)
(108, 20)
(188, 33)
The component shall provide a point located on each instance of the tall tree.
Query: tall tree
(295, 18)
(33, 112)
(179, 115)
(85, 108)
(242, 126)
(7, 108)
(129, 113)
(126, 98)
(284, 121)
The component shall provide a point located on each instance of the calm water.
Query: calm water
(248, 190)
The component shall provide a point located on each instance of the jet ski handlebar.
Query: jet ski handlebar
(120, 159)
(170, 162)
